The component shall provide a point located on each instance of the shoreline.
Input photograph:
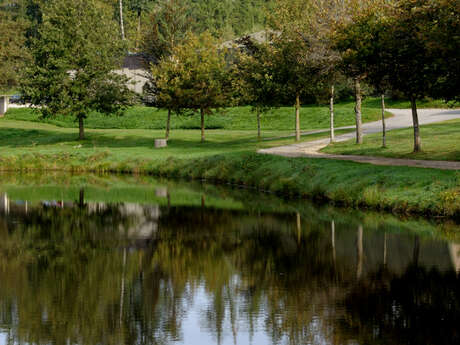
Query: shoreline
(398, 190)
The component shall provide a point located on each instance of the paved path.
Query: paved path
(402, 119)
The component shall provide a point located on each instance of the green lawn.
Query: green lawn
(21, 137)
(439, 142)
(427, 103)
(237, 118)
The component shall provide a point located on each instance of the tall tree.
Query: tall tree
(139, 7)
(74, 58)
(168, 26)
(416, 67)
(13, 55)
(304, 58)
(255, 76)
(122, 20)
(195, 77)
(366, 36)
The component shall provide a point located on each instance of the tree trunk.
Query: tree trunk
(384, 129)
(139, 18)
(202, 125)
(259, 134)
(331, 110)
(81, 198)
(297, 117)
(360, 252)
(417, 141)
(122, 25)
(359, 124)
(299, 227)
(168, 124)
(81, 135)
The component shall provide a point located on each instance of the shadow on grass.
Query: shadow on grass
(17, 138)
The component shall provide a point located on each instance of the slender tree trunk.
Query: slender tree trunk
(168, 124)
(297, 117)
(122, 292)
(360, 252)
(202, 125)
(384, 129)
(385, 249)
(81, 198)
(259, 134)
(139, 18)
(417, 140)
(331, 110)
(122, 25)
(333, 242)
(299, 227)
(81, 127)
(359, 124)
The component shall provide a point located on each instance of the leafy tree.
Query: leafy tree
(255, 74)
(364, 53)
(139, 7)
(168, 28)
(195, 77)
(74, 58)
(12, 53)
(416, 67)
(311, 22)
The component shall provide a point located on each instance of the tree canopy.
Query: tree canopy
(74, 60)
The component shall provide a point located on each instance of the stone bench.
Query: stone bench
(161, 143)
(4, 101)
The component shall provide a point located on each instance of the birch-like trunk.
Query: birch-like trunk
(417, 140)
(81, 128)
(259, 132)
(360, 252)
(331, 111)
(202, 125)
(168, 125)
(359, 121)
(384, 129)
(139, 20)
(297, 117)
(122, 25)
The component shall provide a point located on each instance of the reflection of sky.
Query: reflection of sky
(196, 333)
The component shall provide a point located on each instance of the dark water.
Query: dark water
(96, 261)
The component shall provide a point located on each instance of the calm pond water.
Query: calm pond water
(93, 260)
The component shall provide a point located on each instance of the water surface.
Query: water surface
(92, 260)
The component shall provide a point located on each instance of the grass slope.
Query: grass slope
(238, 118)
(20, 137)
(439, 142)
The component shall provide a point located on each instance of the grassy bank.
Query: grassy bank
(439, 142)
(404, 190)
(229, 157)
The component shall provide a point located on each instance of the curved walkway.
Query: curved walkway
(402, 119)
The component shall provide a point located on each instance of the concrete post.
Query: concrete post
(3, 105)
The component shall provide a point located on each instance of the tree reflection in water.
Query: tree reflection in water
(96, 273)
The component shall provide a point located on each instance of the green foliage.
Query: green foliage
(167, 28)
(74, 58)
(255, 78)
(411, 47)
(13, 56)
(195, 77)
